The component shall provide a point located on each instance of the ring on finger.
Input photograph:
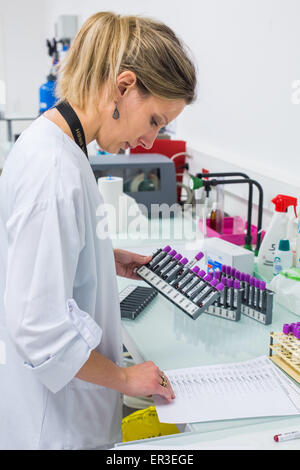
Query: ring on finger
(164, 382)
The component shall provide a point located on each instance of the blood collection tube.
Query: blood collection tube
(242, 279)
(158, 256)
(224, 293)
(176, 270)
(230, 293)
(252, 291)
(228, 271)
(233, 271)
(263, 296)
(236, 286)
(193, 282)
(217, 275)
(191, 293)
(173, 262)
(247, 288)
(191, 275)
(212, 294)
(257, 294)
(238, 275)
(209, 282)
(169, 257)
(223, 271)
(180, 276)
(195, 260)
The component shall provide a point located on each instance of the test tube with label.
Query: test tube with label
(247, 288)
(209, 283)
(176, 270)
(232, 272)
(257, 294)
(223, 271)
(169, 257)
(217, 275)
(263, 296)
(242, 278)
(230, 293)
(192, 283)
(188, 279)
(224, 293)
(211, 294)
(252, 292)
(158, 256)
(191, 293)
(197, 258)
(236, 286)
(170, 265)
(181, 275)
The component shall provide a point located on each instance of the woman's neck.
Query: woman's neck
(90, 120)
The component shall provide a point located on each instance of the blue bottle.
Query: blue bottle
(47, 94)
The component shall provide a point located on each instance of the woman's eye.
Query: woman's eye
(154, 122)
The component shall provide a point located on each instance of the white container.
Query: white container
(283, 258)
(218, 252)
(276, 232)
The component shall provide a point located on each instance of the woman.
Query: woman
(123, 79)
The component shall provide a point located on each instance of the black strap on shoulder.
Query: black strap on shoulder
(74, 123)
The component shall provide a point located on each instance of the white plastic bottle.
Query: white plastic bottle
(275, 233)
(283, 258)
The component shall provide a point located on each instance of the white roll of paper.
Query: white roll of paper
(111, 189)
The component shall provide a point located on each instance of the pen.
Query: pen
(287, 436)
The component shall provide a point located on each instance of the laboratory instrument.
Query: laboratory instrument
(149, 178)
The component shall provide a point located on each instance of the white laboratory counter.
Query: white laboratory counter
(171, 339)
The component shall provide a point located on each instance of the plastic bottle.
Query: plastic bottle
(215, 222)
(47, 94)
(275, 233)
(283, 258)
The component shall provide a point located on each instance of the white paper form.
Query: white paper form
(245, 389)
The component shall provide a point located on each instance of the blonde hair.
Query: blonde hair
(108, 44)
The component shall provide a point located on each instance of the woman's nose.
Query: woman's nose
(148, 140)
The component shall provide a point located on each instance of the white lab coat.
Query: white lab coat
(58, 298)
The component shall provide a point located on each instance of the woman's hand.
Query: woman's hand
(127, 263)
(146, 379)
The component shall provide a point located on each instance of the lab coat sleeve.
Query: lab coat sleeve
(53, 336)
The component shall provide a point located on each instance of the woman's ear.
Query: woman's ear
(126, 81)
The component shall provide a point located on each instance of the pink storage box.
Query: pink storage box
(235, 238)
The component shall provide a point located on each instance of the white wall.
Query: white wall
(23, 56)
(248, 57)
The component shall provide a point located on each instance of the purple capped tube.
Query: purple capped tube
(211, 295)
(158, 256)
(196, 259)
(173, 262)
(176, 270)
(169, 257)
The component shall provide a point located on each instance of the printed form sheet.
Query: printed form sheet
(246, 389)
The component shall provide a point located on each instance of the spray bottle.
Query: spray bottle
(276, 232)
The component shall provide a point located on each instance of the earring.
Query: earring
(116, 113)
